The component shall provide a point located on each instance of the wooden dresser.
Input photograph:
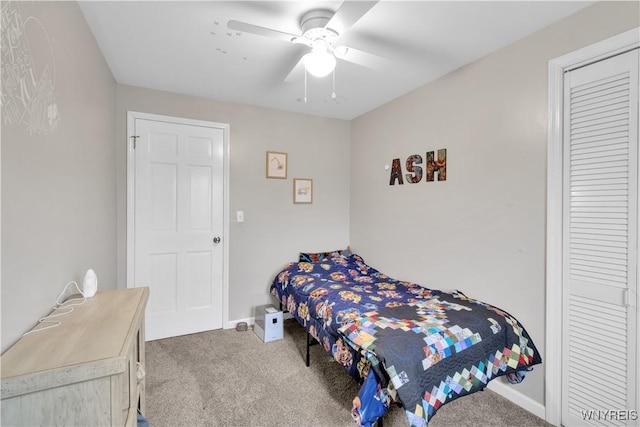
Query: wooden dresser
(88, 371)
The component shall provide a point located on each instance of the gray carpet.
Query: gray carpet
(229, 378)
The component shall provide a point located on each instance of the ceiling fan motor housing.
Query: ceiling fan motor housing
(313, 24)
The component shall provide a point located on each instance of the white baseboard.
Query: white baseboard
(508, 391)
(231, 324)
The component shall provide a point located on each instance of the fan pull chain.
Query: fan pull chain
(333, 93)
(305, 85)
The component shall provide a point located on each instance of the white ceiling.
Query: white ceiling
(186, 47)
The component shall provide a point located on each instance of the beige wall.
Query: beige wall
(481, 231)
(275, 229)
(58, 164)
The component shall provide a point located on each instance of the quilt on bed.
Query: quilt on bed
(434, 346)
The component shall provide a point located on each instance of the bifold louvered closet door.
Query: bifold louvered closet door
(600, 258)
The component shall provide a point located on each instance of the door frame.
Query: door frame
(557, 67)
(131, 174)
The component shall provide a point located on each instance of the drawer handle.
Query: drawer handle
(140, 373)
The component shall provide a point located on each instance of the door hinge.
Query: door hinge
(135, 139)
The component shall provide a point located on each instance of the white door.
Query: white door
(600, 259)
(178, 225)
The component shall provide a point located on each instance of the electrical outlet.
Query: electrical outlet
(240, 216)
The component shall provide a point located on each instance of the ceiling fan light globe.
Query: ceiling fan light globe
(319, 64)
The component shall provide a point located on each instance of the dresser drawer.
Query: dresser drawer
(86, 403)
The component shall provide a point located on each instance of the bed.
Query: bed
(406, 344)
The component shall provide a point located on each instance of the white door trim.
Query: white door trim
(131, 116)
(557, 67)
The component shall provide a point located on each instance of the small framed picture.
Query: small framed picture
(276, 165)
(302, 190)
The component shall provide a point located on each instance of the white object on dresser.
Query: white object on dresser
(90, 284)
(87, 371)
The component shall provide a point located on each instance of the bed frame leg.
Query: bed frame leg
(308, 345)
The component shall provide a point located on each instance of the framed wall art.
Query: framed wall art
(276, 165)
(302, 190)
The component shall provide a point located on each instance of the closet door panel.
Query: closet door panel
(600, 226)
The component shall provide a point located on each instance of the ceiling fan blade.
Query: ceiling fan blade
(363, 58)
(261, 31)
(348, 14)
(297, 69)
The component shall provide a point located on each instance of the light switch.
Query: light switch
(240, 216)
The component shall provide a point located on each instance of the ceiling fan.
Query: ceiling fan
(321, 30)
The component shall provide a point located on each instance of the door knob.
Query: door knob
(216, 239)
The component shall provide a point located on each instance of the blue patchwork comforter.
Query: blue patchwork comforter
(432, 346)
